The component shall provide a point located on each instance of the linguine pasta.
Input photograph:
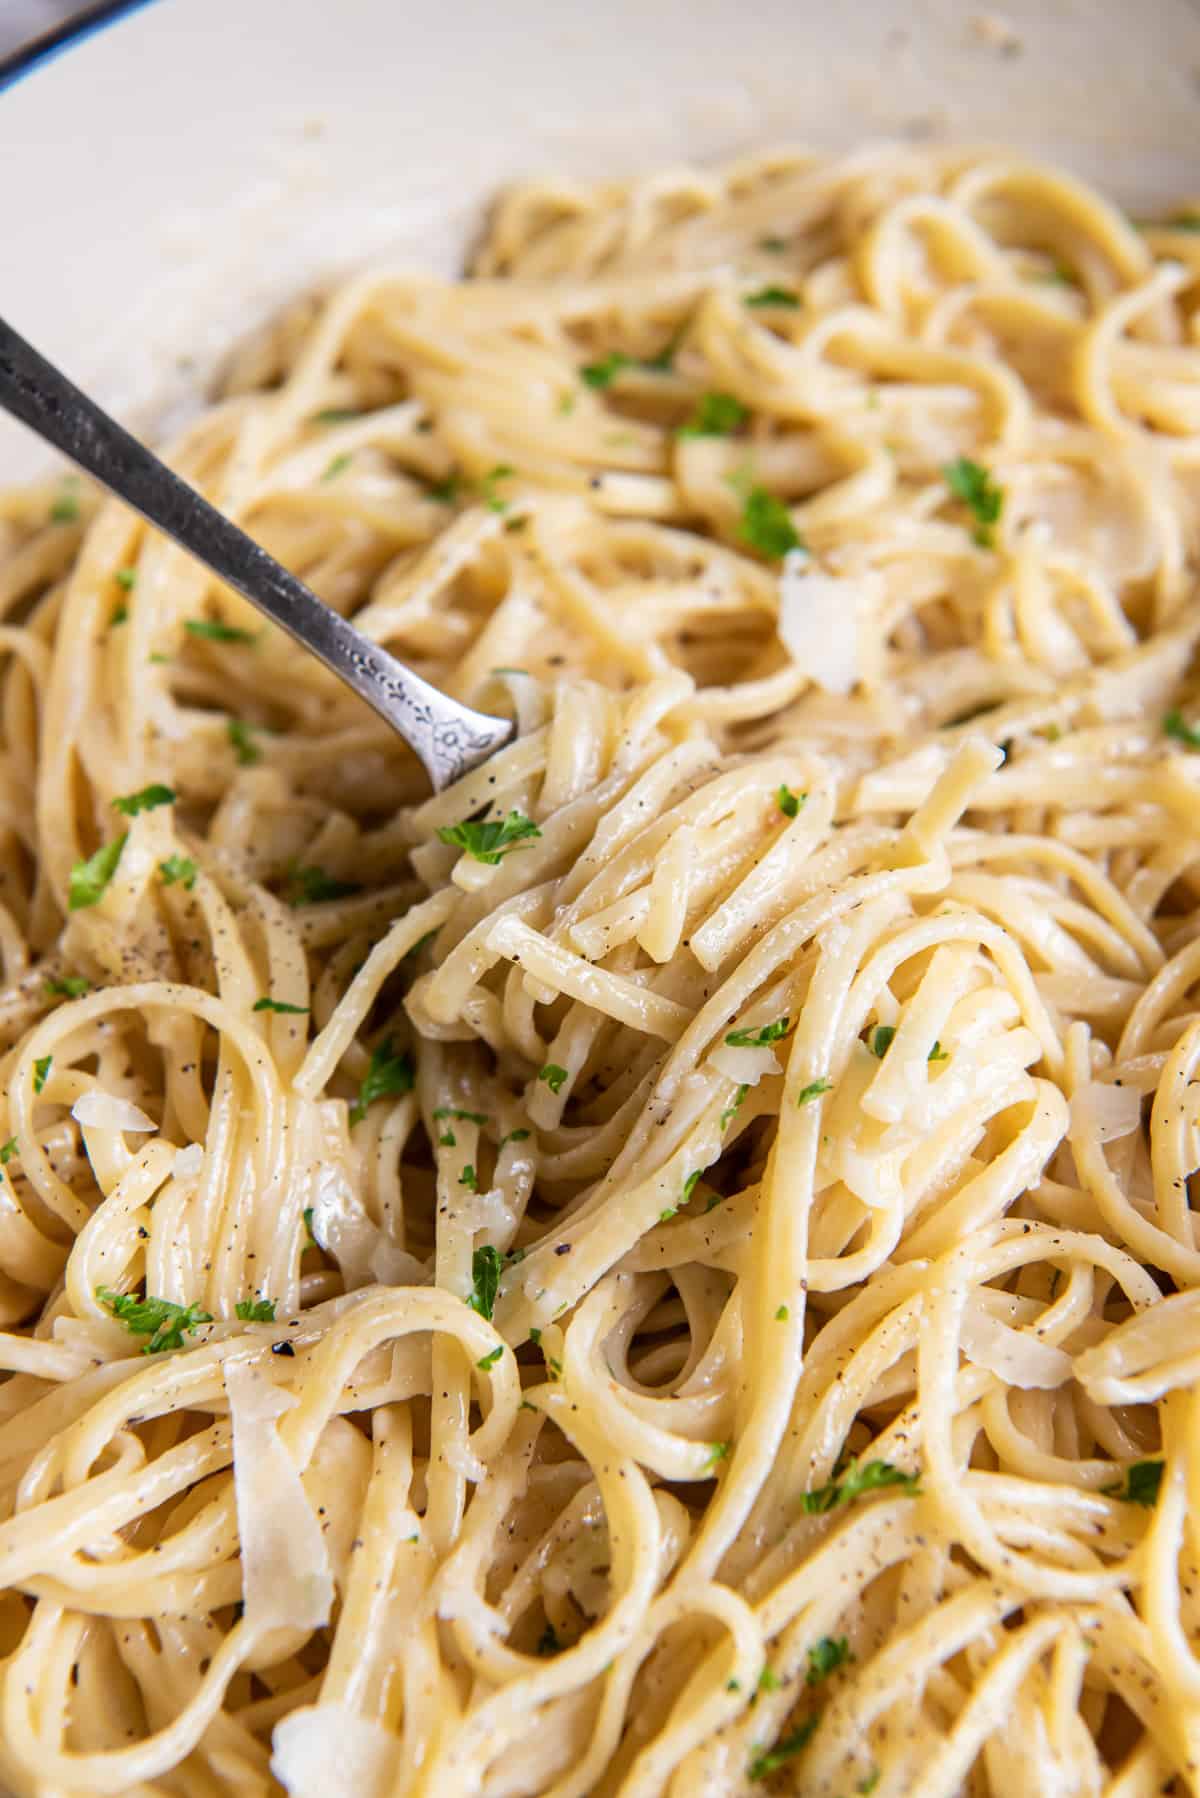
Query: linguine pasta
(669, 1267)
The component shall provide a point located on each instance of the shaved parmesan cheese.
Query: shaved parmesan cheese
(818, 623)
(188, 1162)
(104, 1111)
(745, 1065)
(1012, 1355)
(325, 1748)
(1105, 1112)
(286, 1581)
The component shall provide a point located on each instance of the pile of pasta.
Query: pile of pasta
(669, 1266)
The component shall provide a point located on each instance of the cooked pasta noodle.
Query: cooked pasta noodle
(669, 1267)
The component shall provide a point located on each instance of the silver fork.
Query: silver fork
(449, 738)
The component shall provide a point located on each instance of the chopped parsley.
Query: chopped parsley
(1185, 221)
(766, 524)
(813, 1090)
(469, 1178)
(972, 484)
(515, 1136)
(602, 373)
(771, 296)
(782, 1315)
(490, 1360)
(65, 509)
(1175, 725)
(147, 800)
(70, 986)
(338, 466)
(487, 1263)
(761, 1037)
(388, 1076)
(280, 1005)
(312, 886)
(764, 1764)
(164, 1323)
(873, 1476)
(256, 1311)
(217, 632)
(120, 616)
(881, 1039)
(446, 492)
(246, 751)
(768, 1680)
(126, 578)
(788, 802)
(468, 1117)
(718, 1451)
(552, 1076)
(178, 868)
(689, 1185)
(825, 1657)
(868, 1782)
(41, 1071)
(774, 244)
(87, 880)
(937, 1053)
(7, 1151)
(732, 1107)
(489, 840)
(307, 1215)
(1141, 1484)
(335, 415)
(502, 472)
(716, 415)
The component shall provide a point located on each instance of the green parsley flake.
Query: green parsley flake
(552, 1076)
(781, 1316)
(65, 509)
(503, 471)
(873, 1476)
(280, 1005)
(487, 1263)
(689, 1185)
(813, 1090)
(468, 1117)
(773, 244)
(165, 1324)
(7, 1151)
(87, 880)
(868, 1782)
(41, 1071)
(126, 578)
(335, 415)
(825, 1657)
(937, 1053)
(1175, 725)
(718, 1451)
(762, 1036)
(388, 1076)
(147, 800)
(338, 466)
(1184, 221)
(217, 632)
(256, 1311)
(446, 492)
(307, 1215)
(120, 616)
(601, 374)
(469, 1178)
(766, 524)
(971, 483)
(788, 802)
(716, 415)
(771, 296)
(768, 1680)
(489, 840)
(732, 1107)
(179, 868)
(246, 751)
(881, 1039)
(312, 886)
(764, 1764)
(1141, 1484)
(515, 1136)
(70, 986)
(490, 1361)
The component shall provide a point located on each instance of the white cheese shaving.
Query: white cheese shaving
(188, 1162)
(1105, 1112)
(818, 623)
(286, 1581)
(1012, 1355)
(104, 1111)
(745, 1065)
(327, 1748)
